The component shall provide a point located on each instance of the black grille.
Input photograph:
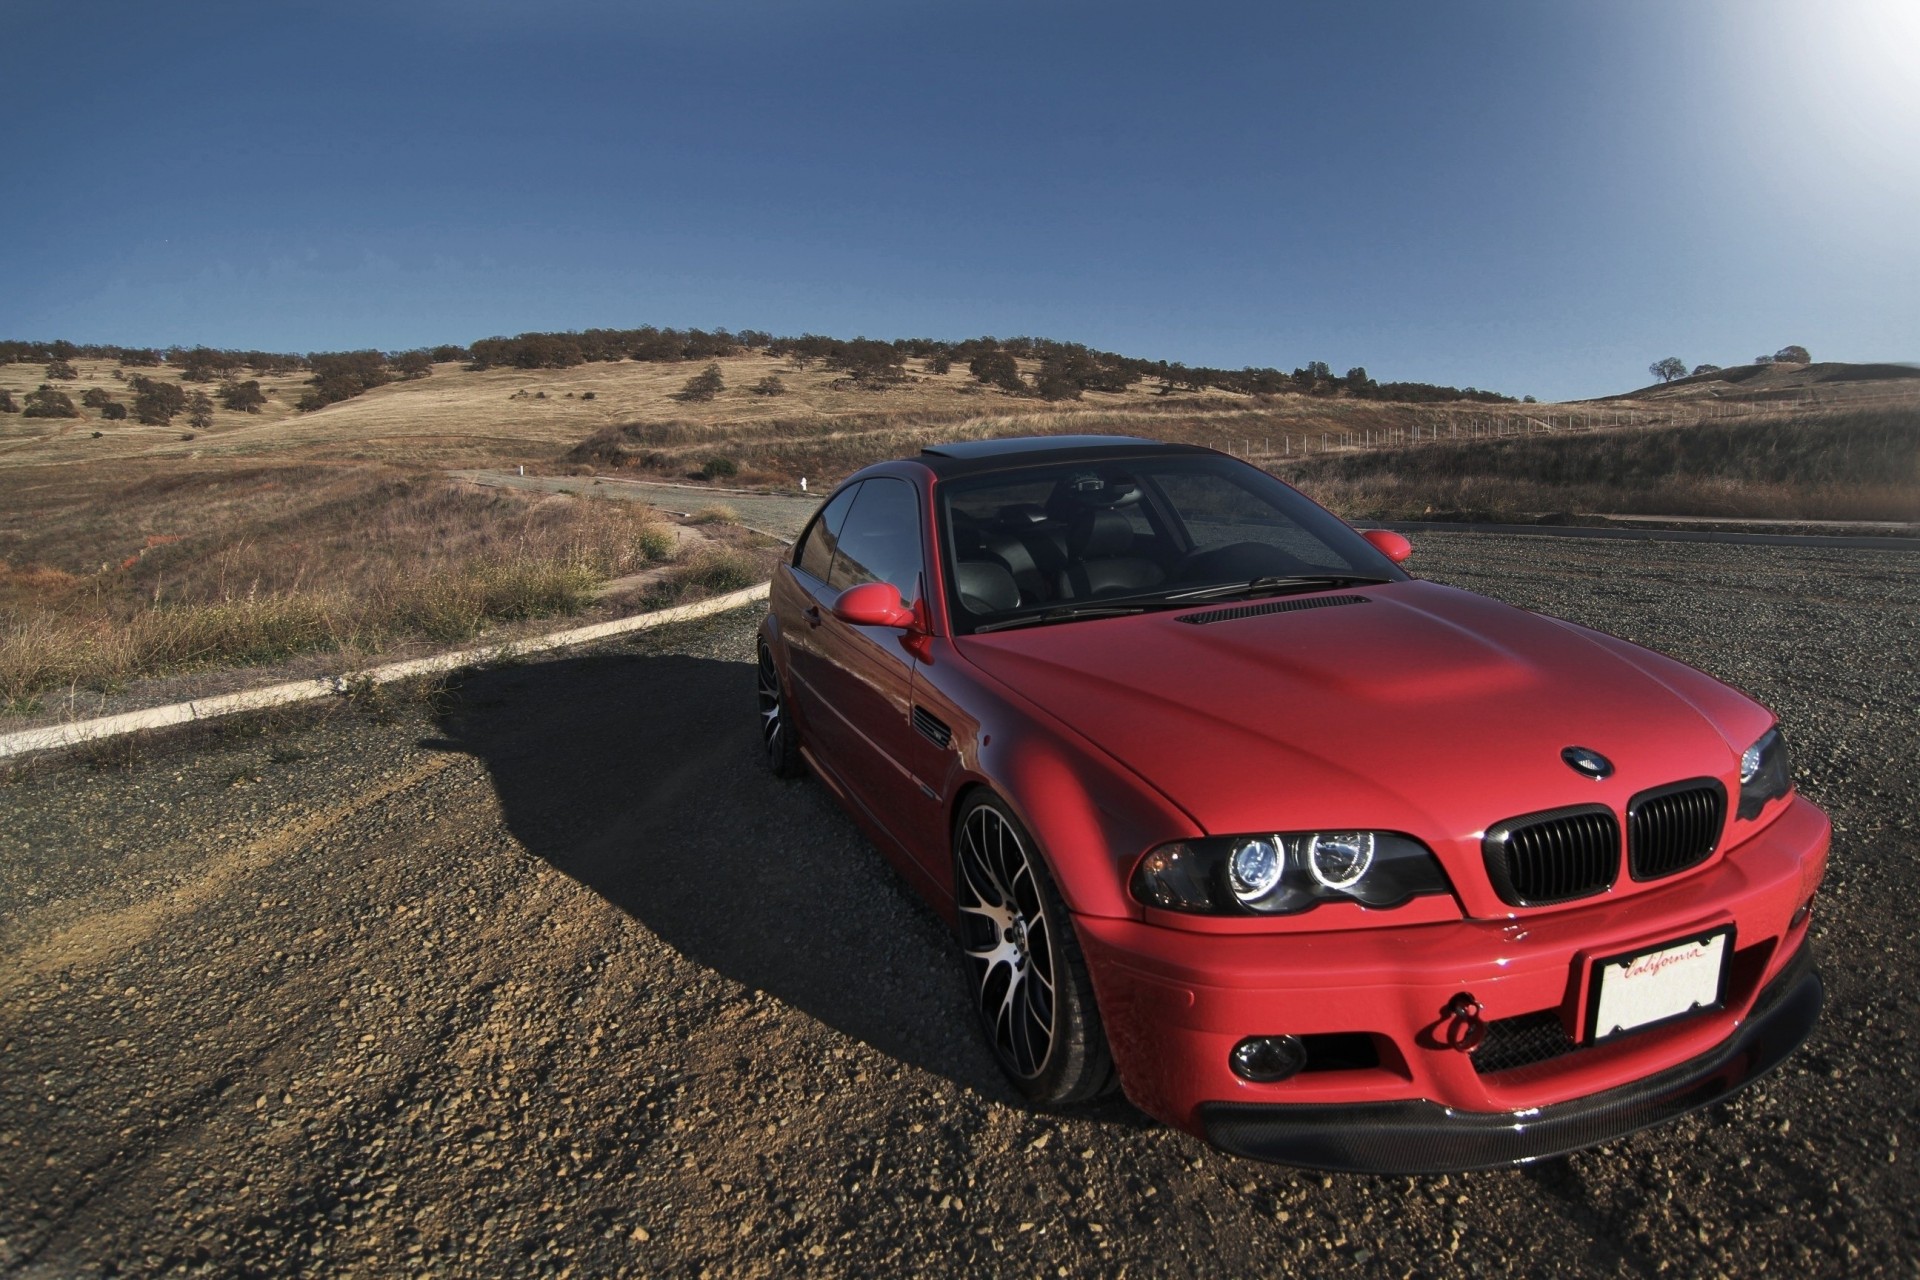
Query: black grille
(1672, 828)
(932, 727)
(1522, 1041)
(1270, 606)
(1555, 856)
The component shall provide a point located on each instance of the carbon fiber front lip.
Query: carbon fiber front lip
(1425, 1137)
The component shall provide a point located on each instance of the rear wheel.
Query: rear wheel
(1031, 988)
(777, 738)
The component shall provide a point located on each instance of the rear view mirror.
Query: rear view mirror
(873, 604)
(1389, 544)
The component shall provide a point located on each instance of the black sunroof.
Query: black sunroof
(1027, 444)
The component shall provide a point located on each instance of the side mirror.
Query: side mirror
(873, 604)
(1389, 544)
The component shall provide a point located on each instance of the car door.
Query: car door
(801, 600)
(864, 678)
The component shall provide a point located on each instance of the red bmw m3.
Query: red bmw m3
(1326, 864)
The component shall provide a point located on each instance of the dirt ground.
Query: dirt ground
(541, 974)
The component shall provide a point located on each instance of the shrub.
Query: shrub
(199, 411)
(62, 370)
(114, 412)
(716, 515)
(48, 403)
(6, 403)
(413, 364)
(342, 375)
(771, 385)
(1704, 368)
(655, 542)
(704, 385)
(939, 362)
(722, 467)
(96, 397)
(242, 397)
(997, 369)
(155, 402)
(589, 395)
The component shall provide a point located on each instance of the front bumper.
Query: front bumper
(1424, 1137)
(1175, 1001)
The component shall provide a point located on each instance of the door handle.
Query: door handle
(812, 614)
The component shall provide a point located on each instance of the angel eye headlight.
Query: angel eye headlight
(1337, 860)
(1285, 873)
(1255, 867)
(1765, 774)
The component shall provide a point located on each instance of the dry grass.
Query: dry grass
(134, 552)
(1862, 465)
(191, 569)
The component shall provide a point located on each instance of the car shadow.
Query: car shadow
(641, 778)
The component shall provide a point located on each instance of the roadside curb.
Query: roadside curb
(52, 737)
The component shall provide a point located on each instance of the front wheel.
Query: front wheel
(776, 726)
(1031, 988)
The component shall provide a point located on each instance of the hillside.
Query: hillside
(1826, 381)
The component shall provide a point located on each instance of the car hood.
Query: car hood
(1419, 708)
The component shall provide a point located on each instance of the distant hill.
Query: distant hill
(1778, 380)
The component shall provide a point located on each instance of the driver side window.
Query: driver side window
(815, 555)
(880, 541)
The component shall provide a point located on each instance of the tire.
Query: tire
(778, 741)
(1030, 984)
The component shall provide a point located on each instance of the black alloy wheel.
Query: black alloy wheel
(1030, 980)
(776, 727)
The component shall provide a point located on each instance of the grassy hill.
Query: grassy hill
(129, 551)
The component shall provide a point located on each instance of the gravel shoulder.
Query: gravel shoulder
(538, 973)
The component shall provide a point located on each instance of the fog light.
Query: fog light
(1265, 1059)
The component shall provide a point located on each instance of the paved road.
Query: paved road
(542, 975)
(779, 514)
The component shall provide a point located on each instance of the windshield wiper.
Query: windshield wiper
(1262, 586)
(1065, 613)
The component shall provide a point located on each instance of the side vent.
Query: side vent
(1270, 606)
(931, 727)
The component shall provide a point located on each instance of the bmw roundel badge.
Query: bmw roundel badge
(1585, 761)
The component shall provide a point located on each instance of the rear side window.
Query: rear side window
(880, 540)
(815, 554)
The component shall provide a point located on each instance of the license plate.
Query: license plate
(1644, 988)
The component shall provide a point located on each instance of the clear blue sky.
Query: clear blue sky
(1535, 197)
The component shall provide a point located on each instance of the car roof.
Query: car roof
(965, 456)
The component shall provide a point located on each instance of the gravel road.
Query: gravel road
(541, 975)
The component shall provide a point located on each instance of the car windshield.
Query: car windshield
(1080, 540)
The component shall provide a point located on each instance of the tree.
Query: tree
(6, 403)
(48, 403)
(939, 362)
(1705, 368)
(1792, 355)
(1668, 369)
(155, 402)
(704, 385)
(997, 369)
(242, 397)
(62, 369)
(413, 364)
(115, 412)
(199, 410)
(771, 385)
(96, 397)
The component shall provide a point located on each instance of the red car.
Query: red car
(1326, 864)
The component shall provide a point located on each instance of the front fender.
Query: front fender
(1092, 816)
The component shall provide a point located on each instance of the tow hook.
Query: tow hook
(1465, 1029)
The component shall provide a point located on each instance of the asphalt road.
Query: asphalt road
(779, 514)
(541, 975)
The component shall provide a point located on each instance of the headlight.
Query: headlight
(1764, 773)
(1287, 873)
